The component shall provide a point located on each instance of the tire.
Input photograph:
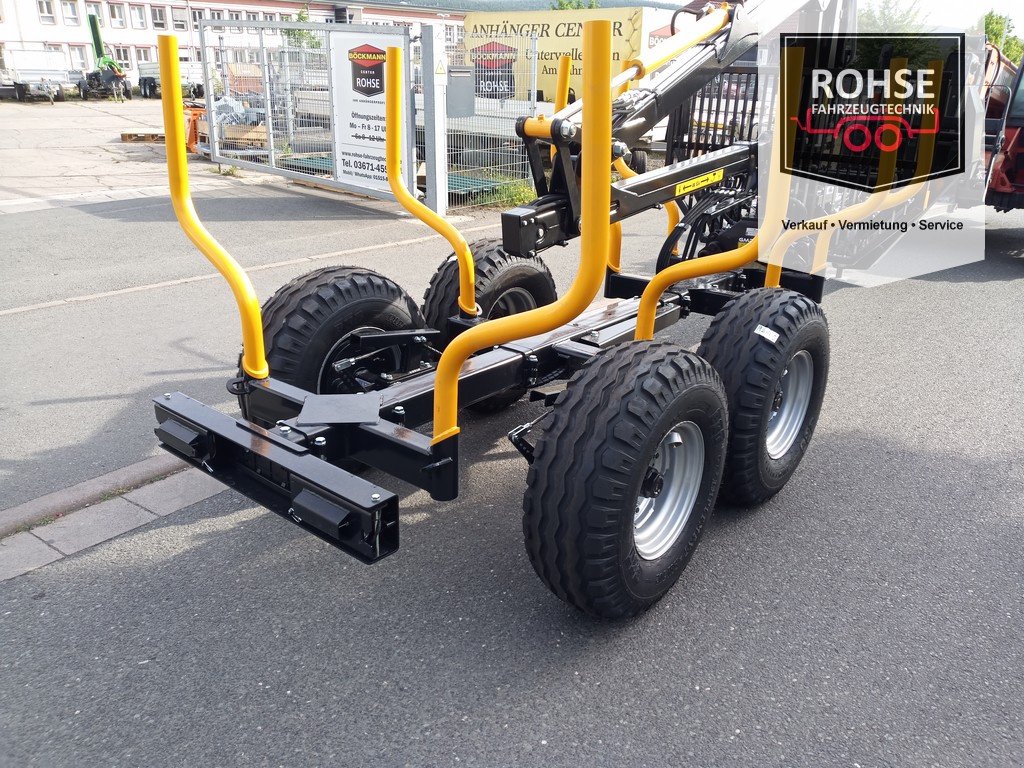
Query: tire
(638, 161)
(755, 368)
(20, 94)
(585, 516)
(61, 96)
(128, 89)
(505, 285)
(84, 93)
(306, 321)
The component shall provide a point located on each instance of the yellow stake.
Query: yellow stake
(254, 361)
(393, 147)
(596, 206)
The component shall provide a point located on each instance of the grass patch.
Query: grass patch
(508, 195)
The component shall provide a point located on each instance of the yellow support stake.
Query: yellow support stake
(777, 202)
(254, 361)
(596, 206)
(393, 148)
(856, 212)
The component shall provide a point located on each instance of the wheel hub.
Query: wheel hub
(668, 491)
(790, 405)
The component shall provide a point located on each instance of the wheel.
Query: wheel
(625, 477)
(308, 325)
(505, 285)
(128, 89)
(638, 161)
(61, 96)
(20, 93)
(771, 348)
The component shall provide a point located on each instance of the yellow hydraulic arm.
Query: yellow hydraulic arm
(254, 361)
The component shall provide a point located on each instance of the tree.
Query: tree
(302, 38)
(574, 5)
(999, 32)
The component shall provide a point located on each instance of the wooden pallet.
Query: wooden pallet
(143, 138)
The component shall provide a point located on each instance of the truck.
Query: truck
(1004, 132)
(34, 74)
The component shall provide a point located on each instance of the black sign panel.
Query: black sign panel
(873, 112)
(367, 70)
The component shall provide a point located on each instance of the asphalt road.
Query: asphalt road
(869, 615)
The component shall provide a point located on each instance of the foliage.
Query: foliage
(999, 32)
(302, 38)
(573, 5)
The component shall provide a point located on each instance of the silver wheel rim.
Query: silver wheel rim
(664, 506)
(512, 302)
(789, 407)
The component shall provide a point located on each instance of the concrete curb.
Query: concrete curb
(91, 491)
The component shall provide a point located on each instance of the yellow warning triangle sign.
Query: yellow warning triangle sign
(440, 68)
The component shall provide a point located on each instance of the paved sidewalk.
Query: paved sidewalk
(27, 550)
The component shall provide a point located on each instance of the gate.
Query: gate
(303, 101)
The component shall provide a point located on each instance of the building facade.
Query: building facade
(130, 29)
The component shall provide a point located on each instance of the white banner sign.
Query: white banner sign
(357, 78)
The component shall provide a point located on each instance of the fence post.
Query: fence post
(285, 67)
(434, 64)
(268, 106)
(533, 76)
(207, 85)
(333, 129)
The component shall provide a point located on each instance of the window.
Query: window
(250, 16)
(122, 55)
(78, 57)
(46, 11)
(198, 14)
(217, 16)
(179, 19)
(449, 34)
(143, 54)
(270, 17)
(53, 48)
(159, 16)
(138, 16)
(95, 9)
(70, 9)
(235, 16)
(116, 11)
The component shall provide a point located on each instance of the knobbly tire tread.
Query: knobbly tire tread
(580, 485)
(290, 316)
(750, 366)
(440, 301)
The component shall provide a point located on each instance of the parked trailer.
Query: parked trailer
(32, 74)
(341, 366)
(191, 80)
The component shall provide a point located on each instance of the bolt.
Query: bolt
(319, 442)
(567, 129)
(386, 376)
(398, 410)
(285, 429)
(424, 364)
(419, 339)
(167, 395)
(531, 358)
(374, 497)
(619, 149)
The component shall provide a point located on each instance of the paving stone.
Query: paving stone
(176, 492)
(22, 553)
(92, 525)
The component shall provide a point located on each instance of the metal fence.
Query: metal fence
(487, 161)
(270, 105)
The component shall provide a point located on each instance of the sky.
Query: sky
(952, 13)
